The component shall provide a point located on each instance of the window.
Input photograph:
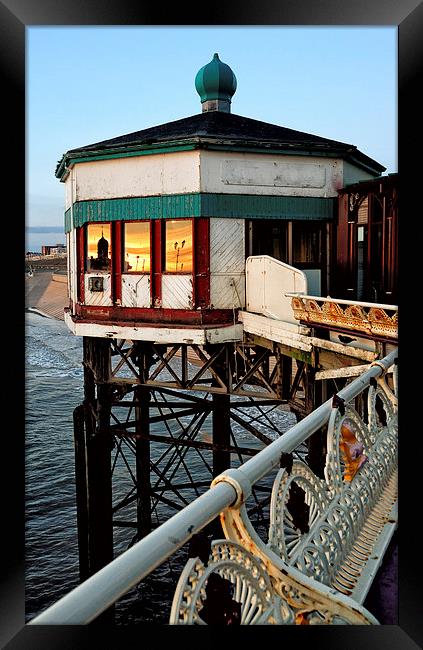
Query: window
(178, 246)
(98, 247)
(136, 247)
(307, 243)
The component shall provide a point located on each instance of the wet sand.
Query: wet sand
(46, 292)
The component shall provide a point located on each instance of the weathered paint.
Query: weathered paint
(177, 291)
(232, 206)
(195, 336)
(136, 290)
(117, 262)
(227, 263)
(267, 282)
(69, 160)
(157, 316)
(227, 291)
(80, 263)
(201, 262)
(275, 330)
(175, 173)
(261, 174)
(98, 298)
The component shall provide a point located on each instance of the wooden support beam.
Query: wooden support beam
(347, 371)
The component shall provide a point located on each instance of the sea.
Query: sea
(54, 387)
(34, 239)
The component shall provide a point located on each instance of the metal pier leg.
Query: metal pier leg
(142, 445)
(81, 490)
(98, 456)
(317, 442)
(286, 375)
(221, 433)
(221, 437)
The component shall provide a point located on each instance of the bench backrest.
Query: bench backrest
(314, 523)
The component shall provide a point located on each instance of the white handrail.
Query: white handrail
(100, 591)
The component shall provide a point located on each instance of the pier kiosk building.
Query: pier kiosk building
(210, 237)
(160, 222)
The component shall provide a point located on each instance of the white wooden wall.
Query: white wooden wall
(252, 173)
(99, 298)
(227, 263)
(135, 290)
(171, 173)
(72, 254)
(177, 291)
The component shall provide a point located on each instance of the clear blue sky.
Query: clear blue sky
(86, 84)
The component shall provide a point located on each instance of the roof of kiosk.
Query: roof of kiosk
(217, 128)
(224, 129)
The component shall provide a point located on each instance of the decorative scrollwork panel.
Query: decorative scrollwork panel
(233, 589)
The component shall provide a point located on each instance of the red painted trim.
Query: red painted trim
(80, 255)
(116, 235)
(202, 262)
(157, 317)
(156, 262)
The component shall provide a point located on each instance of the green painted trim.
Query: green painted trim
(177, 206)
(190, 145)
(257, 206)
(68, 220)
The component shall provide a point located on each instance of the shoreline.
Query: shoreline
(46, 294)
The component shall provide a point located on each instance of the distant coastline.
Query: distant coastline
(44, 229)
(37, 236)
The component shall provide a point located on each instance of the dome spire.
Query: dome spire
(216, 84)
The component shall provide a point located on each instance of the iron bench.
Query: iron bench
(327, 537)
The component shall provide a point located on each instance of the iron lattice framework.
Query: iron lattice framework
(158, 422)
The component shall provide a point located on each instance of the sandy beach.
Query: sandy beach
(46, 293)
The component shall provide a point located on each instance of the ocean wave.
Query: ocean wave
(40, 354)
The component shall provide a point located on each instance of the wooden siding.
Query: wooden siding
(98, 298)
(233, 206)
(227, 247)
(363, 213)
(227, 291)
(177, 292)
(135, 290)
(227, 263)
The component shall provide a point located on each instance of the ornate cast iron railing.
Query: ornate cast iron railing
(326, 539)
(369, 318)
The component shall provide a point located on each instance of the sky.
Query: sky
(86, 84)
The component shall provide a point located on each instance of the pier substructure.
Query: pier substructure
(158, 422)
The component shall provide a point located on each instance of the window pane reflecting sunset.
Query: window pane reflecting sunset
(98, 247)
(179, 246)
(136, 256)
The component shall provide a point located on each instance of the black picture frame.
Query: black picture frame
(15, 16)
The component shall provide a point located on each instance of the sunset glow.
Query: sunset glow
(179, 246)
(136, 255)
